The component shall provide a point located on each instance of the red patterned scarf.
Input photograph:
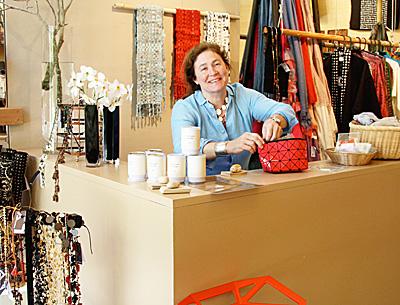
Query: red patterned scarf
(187, 35)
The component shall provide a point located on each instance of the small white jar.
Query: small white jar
(190, 140)
(176, 167)
(196, 168)
(136, 166)
(155, 166)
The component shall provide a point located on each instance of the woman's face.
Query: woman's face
(211, 73)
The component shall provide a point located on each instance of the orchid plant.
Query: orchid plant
(92, 88)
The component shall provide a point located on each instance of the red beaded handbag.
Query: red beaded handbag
(285, 155)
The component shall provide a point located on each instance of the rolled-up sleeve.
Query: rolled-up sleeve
(263, 107)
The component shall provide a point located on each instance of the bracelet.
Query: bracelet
(220, 148)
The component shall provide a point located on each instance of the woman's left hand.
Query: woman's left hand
(271, 130)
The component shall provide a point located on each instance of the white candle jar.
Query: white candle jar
(196, 168)
(176, 167)
(155, 166)
(190, 140)
(136, 166)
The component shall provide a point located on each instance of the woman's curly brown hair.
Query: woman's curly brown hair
(190, 58)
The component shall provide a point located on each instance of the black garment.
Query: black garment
(360, 95)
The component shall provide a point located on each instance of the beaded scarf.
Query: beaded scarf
(149, 74)
(216, 29)
(186, 35)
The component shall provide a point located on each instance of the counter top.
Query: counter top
(256, 181)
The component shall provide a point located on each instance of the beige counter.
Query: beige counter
(330, 234)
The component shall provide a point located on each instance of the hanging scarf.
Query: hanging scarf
(187, 35)
(216, 29)
(149, 74)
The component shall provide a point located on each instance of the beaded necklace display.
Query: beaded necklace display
(186, 35)
(216, 29)
(49, 245)
(149, 74)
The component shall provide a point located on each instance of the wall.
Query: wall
(104, 41)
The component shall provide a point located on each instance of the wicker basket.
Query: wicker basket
(350, 158)
(385, 139)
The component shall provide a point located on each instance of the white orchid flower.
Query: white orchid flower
(75, 81)
(88, 73)
(118, 89)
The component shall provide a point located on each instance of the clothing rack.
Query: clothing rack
(167, 11)
(340, 38)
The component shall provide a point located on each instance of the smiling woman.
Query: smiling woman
(225, 112)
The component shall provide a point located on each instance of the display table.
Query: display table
(330, 234)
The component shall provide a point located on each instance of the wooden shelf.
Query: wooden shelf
(11, 116)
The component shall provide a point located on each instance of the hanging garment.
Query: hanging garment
(352, 87)
(266, 17)
(273, 75)
(186, 36)
(148, 71)
(322, 109)
(389, 80)
(395, 86)
(315, 14)
(364, 14)
(290, 21)
(246, 76)
(216, 29)
(312, 98)
(264, 13)
(377, 69)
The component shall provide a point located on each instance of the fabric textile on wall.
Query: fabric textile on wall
(186, 36)
(148, 66)
(364, 14)
(217, 29)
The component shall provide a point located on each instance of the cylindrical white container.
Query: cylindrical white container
(196, 168)
(176, 167)
(155, 166)
(137, 166)
(159, 150)
(190, 140)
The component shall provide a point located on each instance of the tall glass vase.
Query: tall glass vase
(92, 146)
(56, 71)
(111, 135)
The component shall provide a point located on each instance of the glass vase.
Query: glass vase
(56, 71)
(92, 146)
(111, 135)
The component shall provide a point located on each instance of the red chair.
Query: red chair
(234, 287)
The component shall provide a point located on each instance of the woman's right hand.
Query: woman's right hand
(247, 141)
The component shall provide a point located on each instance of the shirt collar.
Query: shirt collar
(201, 100)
